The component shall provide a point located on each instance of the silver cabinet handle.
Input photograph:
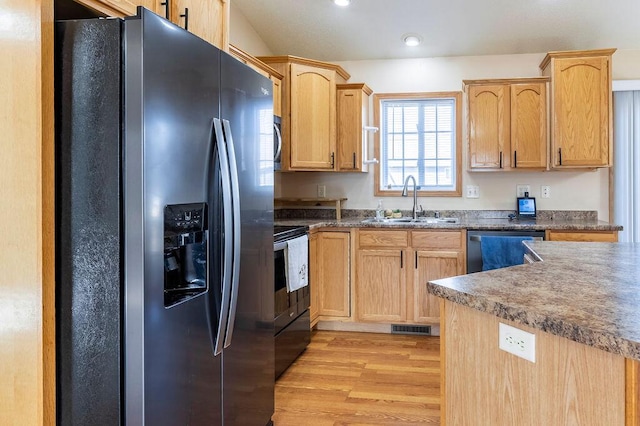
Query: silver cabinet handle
(278, 153)
(235, 198)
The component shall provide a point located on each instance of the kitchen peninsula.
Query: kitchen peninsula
(581, 302)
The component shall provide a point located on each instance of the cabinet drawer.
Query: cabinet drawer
(437, 239)
(369, 238)
(594, 236)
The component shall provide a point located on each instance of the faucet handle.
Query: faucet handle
(419, 208)
(436, 214)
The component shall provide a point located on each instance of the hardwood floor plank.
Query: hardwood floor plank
(352, 379)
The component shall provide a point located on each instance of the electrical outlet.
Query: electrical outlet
(545, 191)
(521, 189)
(517, 342)
(322, 191)
(473, 191)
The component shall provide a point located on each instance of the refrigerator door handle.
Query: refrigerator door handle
(235, 195)
(228, 232)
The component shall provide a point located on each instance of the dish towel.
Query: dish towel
(500, 252)
(296, 258)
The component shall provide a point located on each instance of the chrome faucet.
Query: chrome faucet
(405, 192)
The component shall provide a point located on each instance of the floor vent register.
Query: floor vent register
(424, 330)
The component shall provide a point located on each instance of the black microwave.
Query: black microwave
(277, 143)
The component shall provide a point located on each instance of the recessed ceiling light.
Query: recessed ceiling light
(411, 39)
(342, 2)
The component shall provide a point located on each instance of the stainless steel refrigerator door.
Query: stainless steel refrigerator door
(247, 116)
(171, 97)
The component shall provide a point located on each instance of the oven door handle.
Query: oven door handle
(279, 246)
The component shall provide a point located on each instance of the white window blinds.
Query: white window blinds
(418, 138)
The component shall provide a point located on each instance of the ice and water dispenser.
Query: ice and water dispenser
(185, 252)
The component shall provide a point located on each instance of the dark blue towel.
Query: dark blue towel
(500, 252)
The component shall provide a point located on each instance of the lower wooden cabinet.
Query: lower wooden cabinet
(381, 286)
(393, 267)
(584, 236)
(330, 265)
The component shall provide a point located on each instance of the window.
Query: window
(420, 136)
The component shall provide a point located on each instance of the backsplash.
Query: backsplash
(327, 213)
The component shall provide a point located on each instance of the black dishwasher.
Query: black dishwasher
(474, 244)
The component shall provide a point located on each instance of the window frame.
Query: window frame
(377, 117)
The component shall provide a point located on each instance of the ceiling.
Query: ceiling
(372, 29)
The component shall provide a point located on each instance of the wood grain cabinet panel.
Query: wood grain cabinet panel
(209, 19)
(488, 125)
(381, 287)
(333, 272)
(314, 283)
(507, 123)
(581, 108)
(529, 125)
(584, 236)
(432, 265)
(353, 115)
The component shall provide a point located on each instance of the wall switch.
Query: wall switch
(322, 191)
(517, 342)
(545, 191)
(473, 191)
(521, 189)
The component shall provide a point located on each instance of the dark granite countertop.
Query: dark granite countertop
(585, 224)
(586, 292)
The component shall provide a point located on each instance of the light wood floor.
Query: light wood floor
(348, 378)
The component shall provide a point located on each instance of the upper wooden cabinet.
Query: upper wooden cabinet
(353, 115)
(265, 70)
(208, 20)
(308, 111)
(507, 123)
(119, 8)
(581, 108)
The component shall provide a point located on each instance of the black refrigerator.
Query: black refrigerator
(164, 228)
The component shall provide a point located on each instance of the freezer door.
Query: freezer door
(171, 91)
(247, 117)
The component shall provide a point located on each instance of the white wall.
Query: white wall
(243, 36)
(588, 190)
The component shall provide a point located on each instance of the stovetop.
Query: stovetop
(287, 232)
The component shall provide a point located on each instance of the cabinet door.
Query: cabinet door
(529, 125)
(381, 285)
(353, 111)
(581, 107)
(333, 274)
(209, 19)
(120, 8)
(314, 282)
(488, 118)
(432, 265)
(313, 118)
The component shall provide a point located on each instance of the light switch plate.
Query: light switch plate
(473, 191)
(521, 189)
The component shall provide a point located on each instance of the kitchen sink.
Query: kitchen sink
(412, 220)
